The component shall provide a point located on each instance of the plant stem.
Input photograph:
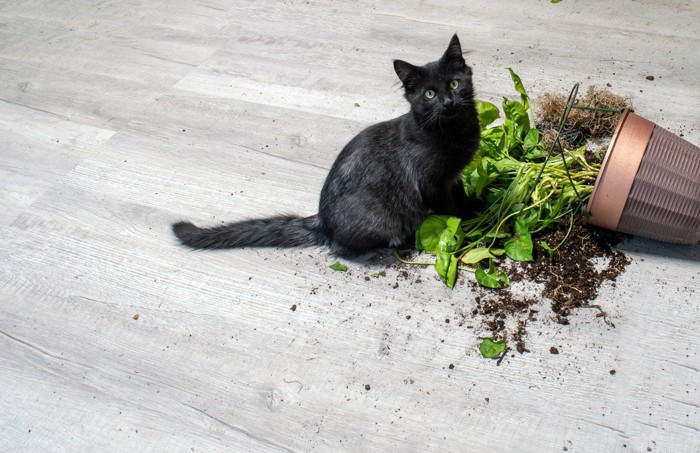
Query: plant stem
(416, 263)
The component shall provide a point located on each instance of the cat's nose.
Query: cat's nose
(447, 102)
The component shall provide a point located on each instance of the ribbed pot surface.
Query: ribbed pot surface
(664, 202)
(649, 184)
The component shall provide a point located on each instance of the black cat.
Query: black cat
(387, 179)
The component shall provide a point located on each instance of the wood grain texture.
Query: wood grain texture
(118, 118)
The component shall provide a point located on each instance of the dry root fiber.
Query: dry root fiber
(591, 123)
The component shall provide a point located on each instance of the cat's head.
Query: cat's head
(441, 89)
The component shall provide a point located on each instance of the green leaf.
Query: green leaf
(492, 134)
(548, 249)
(517, 113)
(473, 256)
(493, 278)
(532, 140)
(446, 267)
(519, 247)
(529, 219)
(497, 235)
(483, 180)
(436, 232)
(470, 180)
(492, 141)
(516, 135)
(488, 113)
(428, 234)
(554, 1)
(474, 234)
(442, 235)
(520, 88)
(492, 349)
(338, 266)
(453, 224)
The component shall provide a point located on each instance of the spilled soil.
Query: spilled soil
(570, 279)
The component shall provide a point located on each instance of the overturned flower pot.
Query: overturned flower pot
(649, 184)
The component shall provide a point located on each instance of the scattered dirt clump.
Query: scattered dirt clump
(570, 279)
(575, 272)
(495, 308)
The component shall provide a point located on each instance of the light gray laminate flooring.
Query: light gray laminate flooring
(120, 117)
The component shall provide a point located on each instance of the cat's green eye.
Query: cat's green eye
(430, 94)
(454, 84)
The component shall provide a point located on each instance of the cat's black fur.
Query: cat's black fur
(387, 179)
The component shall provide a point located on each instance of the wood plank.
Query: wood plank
(41, 147)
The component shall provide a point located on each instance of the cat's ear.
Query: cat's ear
(406, 72)
(453, 54)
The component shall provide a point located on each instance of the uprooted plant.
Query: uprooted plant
(524, 187)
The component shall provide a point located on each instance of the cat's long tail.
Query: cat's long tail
(280, 231)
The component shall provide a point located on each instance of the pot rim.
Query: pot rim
(618, 170)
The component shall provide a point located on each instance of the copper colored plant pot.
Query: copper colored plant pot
(649, 184)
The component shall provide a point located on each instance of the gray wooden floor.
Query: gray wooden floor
(119, 117)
